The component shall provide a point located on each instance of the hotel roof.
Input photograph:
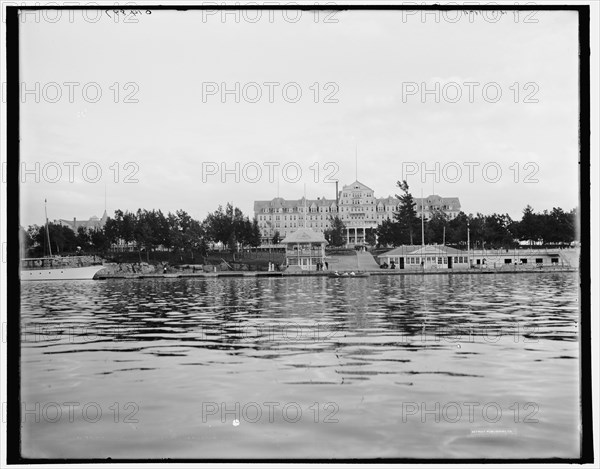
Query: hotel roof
(279, 202)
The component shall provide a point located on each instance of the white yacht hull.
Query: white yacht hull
(67, 273)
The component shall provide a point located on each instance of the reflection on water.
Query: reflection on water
(391, 366)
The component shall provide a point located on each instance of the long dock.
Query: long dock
(229, 274)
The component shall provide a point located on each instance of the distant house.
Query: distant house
(432, 204)
(93, 223)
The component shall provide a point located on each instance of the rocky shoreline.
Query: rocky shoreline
(145, 271)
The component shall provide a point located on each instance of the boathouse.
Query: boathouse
(444, 257)
(305, 248)
(409, 257)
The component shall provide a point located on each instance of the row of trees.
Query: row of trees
(179, 232)
(62, 239)
(492, 231)
(149, 229)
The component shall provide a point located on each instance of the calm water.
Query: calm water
(440, 366)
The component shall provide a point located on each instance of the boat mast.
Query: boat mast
(422, 223)
(468, 245)
(47, 232)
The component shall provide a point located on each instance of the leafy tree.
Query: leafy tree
(83, 238)
(26, 242)
(121, 227)
(436, 226)
(370, 237)
(476, 225)
(496, 233)
(219, 225)
(276, 237)
(62, 239)
(254, 238)
(456, 232)
(406, 215)
(100, 242)
(388, 233)
(530, 227)
(142, 234)
(186, 234)
(336, 235)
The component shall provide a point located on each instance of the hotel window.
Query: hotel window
(539, 261)
(439, 260)
(445, 260)
(456, 260)
(507, 261)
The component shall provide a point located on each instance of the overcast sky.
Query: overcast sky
(371, 65)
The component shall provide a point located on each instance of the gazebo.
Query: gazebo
(305, 248)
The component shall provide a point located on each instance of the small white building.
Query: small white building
(425, 257)
(305, 248)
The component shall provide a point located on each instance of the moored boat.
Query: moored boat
(58, 268)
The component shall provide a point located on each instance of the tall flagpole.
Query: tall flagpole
(422, 222)
(356, 161)
(47, 232)
(468, 245)
(304, 205)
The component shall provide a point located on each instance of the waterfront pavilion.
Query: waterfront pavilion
(305, 248)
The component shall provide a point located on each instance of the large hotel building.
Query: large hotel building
(356, 206)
